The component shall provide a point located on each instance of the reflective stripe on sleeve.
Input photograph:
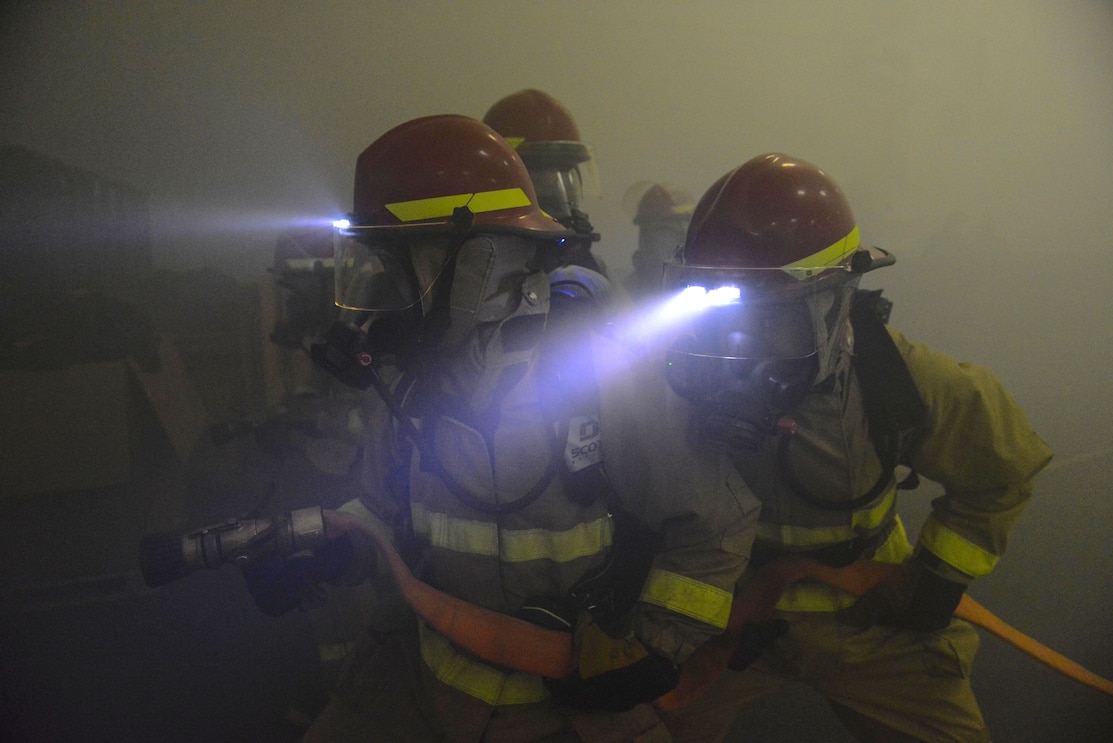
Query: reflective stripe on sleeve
(956, 550)
(442, 206)
(484, 539)
(687, 596)
(474, 677)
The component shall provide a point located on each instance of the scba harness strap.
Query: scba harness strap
(568, 397)
(890, 400)
(568, 387)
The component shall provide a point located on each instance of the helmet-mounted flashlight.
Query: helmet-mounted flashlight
(700, 296)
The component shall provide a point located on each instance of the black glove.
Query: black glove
(933, 602)
(280, 584)
(753, 639)
(614, 674)
(913, 598)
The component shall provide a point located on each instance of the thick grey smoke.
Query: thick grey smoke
(974, 140)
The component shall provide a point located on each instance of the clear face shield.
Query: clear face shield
(558, 191)
(748, 342)
(563, 174)
(381, 271)
(385, 284)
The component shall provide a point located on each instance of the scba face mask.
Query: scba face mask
(752, 345)
(399, 279)
(495, 281)
(744, 366)
(384, 284)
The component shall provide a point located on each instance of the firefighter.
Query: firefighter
(562, 167)
(661, 214)
(485, 462)
(827, 414)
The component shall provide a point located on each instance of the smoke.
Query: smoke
(972, 139)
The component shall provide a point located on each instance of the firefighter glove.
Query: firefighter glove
(753, 639)
(913, 598)
(280, 584)
(614, 674)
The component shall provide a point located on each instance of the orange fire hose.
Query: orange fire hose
(496, 638)
(757, 601)
(975, 613)
(522, 646)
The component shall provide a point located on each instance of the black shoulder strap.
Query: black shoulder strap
(893, 406)
(569, 392)
(890, 400)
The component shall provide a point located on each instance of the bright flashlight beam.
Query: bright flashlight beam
(696, 298)
(186, 222)
(649, 321)
(648, 327)
(724, 295)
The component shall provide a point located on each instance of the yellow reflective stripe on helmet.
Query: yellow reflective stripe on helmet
(474, 677)
(687, 596)
(806, 536)
(829, 257)
(483, 538)
(956, 550)
(442, 206)
(816, 597)
(493, 201)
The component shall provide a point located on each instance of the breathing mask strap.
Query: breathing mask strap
(890, 400)
(437, 319)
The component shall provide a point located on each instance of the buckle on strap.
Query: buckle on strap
(837, 555)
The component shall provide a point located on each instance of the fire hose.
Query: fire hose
(519, 645)
(757, 601)
(494, 637)
(522, 646)
(166, 557)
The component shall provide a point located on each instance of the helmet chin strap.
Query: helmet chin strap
(436, 315)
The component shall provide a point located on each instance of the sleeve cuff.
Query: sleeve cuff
(956, 558)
